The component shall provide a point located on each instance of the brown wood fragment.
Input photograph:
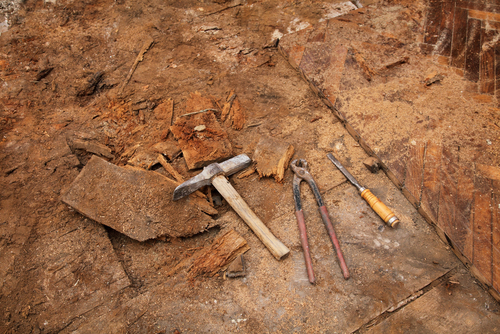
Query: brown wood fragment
(372, 164)
(92, 147)
(232, 112)
(247, 172)
(272, 157)
(238, 116)
(368, 72)
(201, 148)
(134, 202)
(223, 250)
(401, 61)
(473, 50)
(227, 106)
(434, 79)
(236, 268)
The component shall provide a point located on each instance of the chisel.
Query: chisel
(380, 208)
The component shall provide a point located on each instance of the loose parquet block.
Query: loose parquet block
(434, 15)
(487, 62)
(443, 45)
(472, 50)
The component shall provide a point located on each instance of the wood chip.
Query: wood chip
(201, 148)
(272, 157)
(217, 257)
(92, 147)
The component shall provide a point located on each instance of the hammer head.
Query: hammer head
(227, 168)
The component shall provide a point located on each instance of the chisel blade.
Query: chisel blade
(345, 172)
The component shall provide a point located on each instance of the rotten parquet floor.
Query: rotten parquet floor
(438, 143)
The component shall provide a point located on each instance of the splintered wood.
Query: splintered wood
(272, 158)
(135, 202)
(232, 112)
(202, 147)
(219, 255)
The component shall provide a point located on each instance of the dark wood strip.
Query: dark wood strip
(433, 22)
(431, 183)
(473, 50)
(443, 44)
(487, 65)
(459, 38)
(482, 256)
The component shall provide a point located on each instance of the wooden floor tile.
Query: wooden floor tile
(473, 50)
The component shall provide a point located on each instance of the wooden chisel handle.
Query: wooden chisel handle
(276, 247)
(380, 208)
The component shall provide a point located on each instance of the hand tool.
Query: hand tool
(299, 167)
(215, 174)
(378, 206)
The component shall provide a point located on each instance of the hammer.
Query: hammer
(215, 174)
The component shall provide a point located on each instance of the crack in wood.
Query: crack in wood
(406, 301)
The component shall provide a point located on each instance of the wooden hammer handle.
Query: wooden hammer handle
(276, 247)
(380, 208)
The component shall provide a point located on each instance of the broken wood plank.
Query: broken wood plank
(487, 64)
(134, 202)
(473, 50)
(223, 250)
(272, 157)
(459, 38)
(482, 228)
(201, 148)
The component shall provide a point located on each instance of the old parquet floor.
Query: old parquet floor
(439, 143)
